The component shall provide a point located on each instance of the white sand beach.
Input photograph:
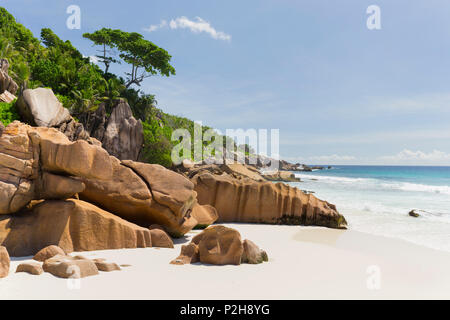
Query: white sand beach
(304, 263)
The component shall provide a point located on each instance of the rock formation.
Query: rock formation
(4, 262)
(40, 107)
(246, 200)
(7, 97)
(284, 176)
(104, 266)
(160, 239)
(220, 245)
(6, 82)
(33, 268)
(252, 253)
(205, 215)
(73, 225)
(145, 194)
(70, 267)
(41, 163)
(48, 252)
(120, 133)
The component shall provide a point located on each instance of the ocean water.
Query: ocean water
(377, 199)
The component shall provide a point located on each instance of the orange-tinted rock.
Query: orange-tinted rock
(33, 268)
(73, 225)
(145, 194)
(219, 245)
(205, 215)
(104, 266)
(70, 267)
(249, 201)
(189, 254)
(48, 252)
(253, 254)
(4, 262)
(36, 163)
(161, 239)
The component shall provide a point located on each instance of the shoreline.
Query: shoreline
(304, 263)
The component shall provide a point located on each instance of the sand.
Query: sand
(304, 263)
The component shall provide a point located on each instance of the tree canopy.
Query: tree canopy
(146, 58)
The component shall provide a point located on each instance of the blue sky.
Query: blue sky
(339, 92)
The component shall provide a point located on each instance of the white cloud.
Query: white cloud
(198, 25)
(155, 27)
(332, 158)
(324, 159)
(418, 157)
(94, 59)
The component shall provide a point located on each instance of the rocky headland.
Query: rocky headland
(79, 187)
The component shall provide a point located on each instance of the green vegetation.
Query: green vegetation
(8, 113)
(81, 85)
(141, 54)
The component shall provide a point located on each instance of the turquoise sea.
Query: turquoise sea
(377, 199)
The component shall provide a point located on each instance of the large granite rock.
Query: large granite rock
(48, 252)
(205, 215)
(145, 194)
(120, 133)
(40, 107)
(250, 201)
(72, 225)
(160, 239)
(4, 262)
(220, 245)
(33, 268)
(41, 163)
(6, 82)
(252, 253)
(70, 267)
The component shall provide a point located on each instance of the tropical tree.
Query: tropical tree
(104, 39)
(146, 58)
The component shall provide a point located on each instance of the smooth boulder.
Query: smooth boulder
(246, 200)
(145, 194)
(40, 107)
(73, 225)
(70, 267)
(33, 268)
(252, 253)
(160, 239)
(48, 252)
(41, 163)
(104, 266)
(219, 245)
(189, 254)
(205, 215)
